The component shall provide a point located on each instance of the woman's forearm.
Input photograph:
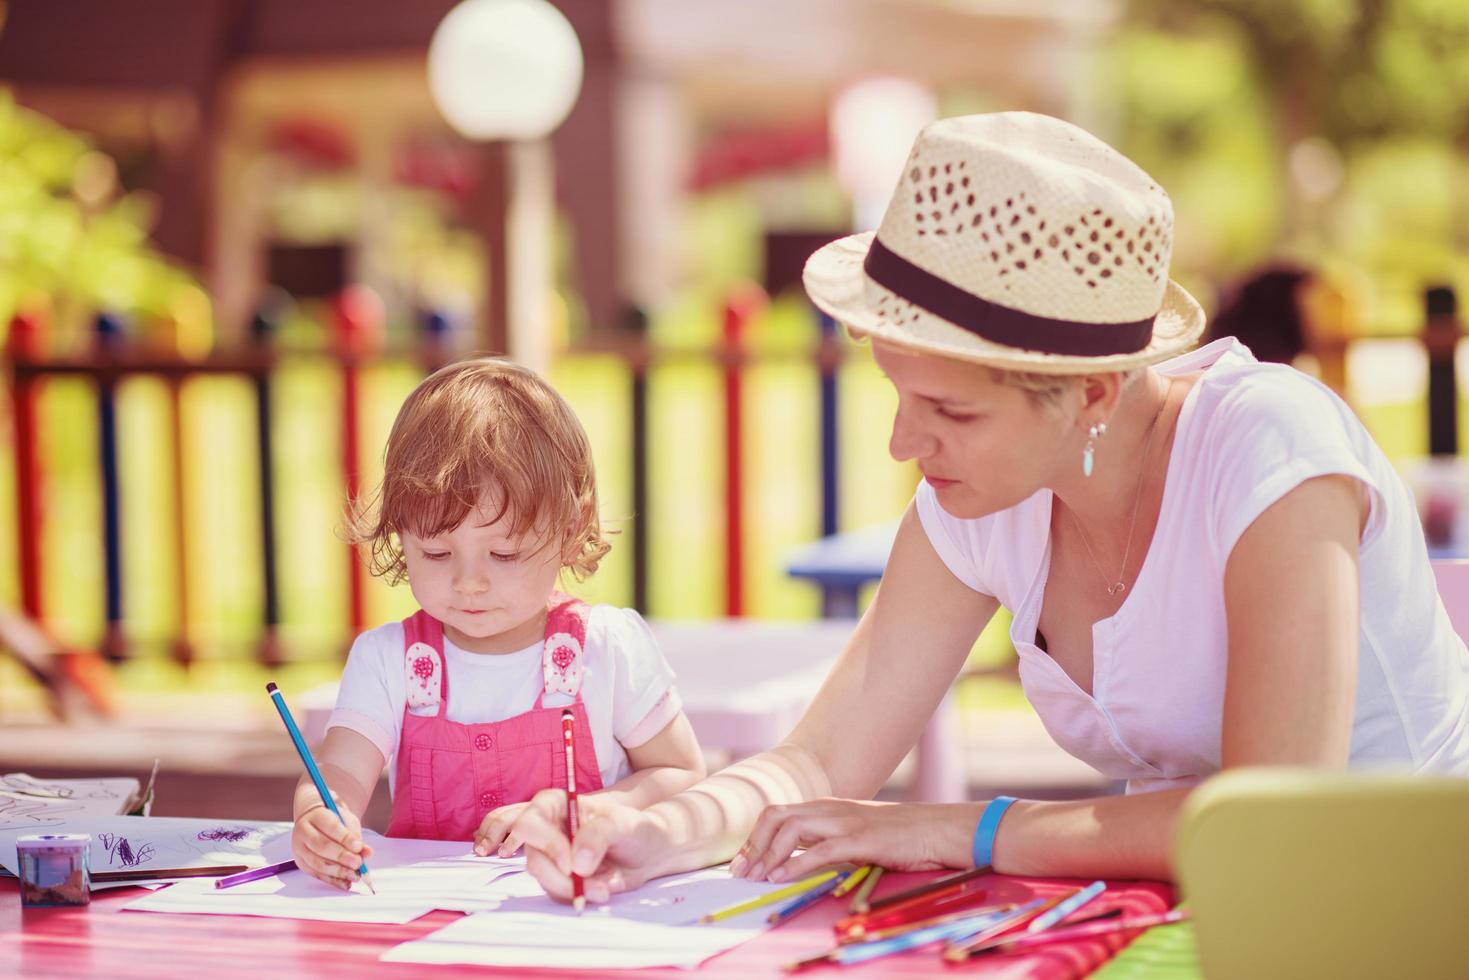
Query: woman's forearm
(1106, 837)
(706, 823)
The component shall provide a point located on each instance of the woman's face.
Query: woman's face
(982, 445)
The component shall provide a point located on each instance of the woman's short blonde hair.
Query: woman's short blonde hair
(478, 426)
(1047, 390)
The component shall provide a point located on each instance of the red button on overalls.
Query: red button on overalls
(482, 742)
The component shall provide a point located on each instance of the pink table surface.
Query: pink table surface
(101, 941)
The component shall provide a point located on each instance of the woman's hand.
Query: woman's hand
(327, 848)
(494, 831)
(618, 847)
(898, 836)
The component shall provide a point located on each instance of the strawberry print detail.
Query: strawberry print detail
(425, 676)
(561, 664)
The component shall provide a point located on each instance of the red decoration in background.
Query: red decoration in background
(314, 143)
(438, 166)
(736, 155)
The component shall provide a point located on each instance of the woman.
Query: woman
(1209, 562)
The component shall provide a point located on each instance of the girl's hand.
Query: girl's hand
(617, 846)
(494, 831)
(898, 836)
(326, 848)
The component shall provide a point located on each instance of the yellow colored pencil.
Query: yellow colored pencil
(790, 891)
(860, 901)
(853, 880)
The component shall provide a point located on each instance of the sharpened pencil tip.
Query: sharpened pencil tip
(579, 903)
(367, 880)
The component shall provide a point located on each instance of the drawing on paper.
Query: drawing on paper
(232, 835)
(18, 813)
(122, 851)
(19, 782)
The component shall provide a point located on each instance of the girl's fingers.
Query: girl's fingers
(592, 842)
(600, 888)
(331, 853)
(509, 846)
(489, 836)
(546, 872)
(538, 833)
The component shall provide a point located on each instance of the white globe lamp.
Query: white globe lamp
(505, 69)
(872, 124)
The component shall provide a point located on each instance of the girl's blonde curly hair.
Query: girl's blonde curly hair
(483, 426)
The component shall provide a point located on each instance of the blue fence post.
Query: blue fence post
(108, 330)
(829, 359)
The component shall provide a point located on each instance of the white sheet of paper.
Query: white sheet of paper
(657, 925)
(41, 803)
(129, 843)
(412, 878)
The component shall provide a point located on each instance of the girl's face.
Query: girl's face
(982, 445)
(487, 587)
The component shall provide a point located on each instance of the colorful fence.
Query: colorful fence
(189, 509)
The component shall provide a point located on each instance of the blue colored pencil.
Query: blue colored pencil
(311, 770)
(1073, 902)
(794, 907)
(951, 931)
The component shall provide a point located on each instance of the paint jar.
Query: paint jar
(54, 869)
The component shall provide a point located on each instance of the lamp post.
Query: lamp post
(873, 123)
(506, 73)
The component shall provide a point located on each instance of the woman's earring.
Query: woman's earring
(1088, 455)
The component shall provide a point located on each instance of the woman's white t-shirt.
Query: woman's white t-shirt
(1248, 433)
(627, 687)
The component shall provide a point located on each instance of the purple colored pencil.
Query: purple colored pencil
(255, 874)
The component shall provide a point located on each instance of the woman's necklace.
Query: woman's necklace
(1137, 497)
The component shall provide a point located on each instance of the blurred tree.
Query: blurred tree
(71, 237)
(1332, 128)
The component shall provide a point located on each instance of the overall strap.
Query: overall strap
(562, 653)
(423, 661)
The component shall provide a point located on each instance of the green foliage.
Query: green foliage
(1214, 96)
(67, 234)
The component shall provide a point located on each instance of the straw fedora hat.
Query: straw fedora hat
(1019, 241)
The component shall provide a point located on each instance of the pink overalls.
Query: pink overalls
(450, 775)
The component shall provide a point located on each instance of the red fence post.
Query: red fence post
(358, 330)
(739, 309)
(26, 342)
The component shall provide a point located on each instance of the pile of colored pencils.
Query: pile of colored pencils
(958, 915)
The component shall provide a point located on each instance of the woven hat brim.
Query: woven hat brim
(836, 284)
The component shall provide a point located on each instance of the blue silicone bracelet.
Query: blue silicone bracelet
(989, 825)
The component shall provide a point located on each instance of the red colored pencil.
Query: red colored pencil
(915, 910)
(568, 721)
(928, 888)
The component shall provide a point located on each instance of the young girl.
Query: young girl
(488, 495)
